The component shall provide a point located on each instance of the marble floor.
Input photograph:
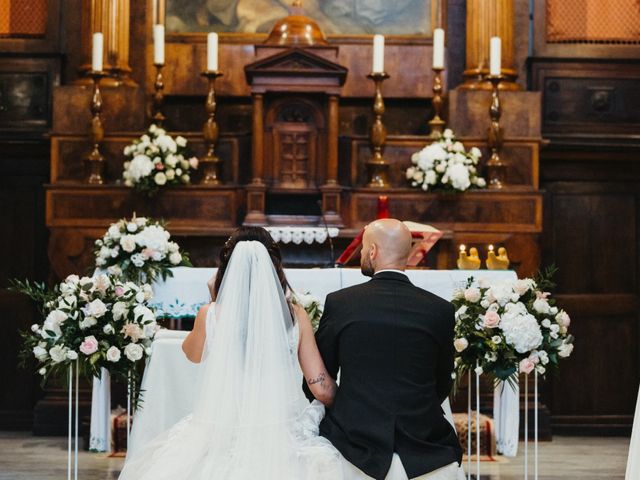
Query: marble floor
(24, 457)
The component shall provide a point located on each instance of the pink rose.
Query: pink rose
(491, 319)
(527, 366)
(89, 346)
(193, 162)
(563, 319)
(472, 295)
(119, 291)
(148, 253)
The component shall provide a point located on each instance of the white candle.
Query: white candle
(212, 52)
(158, 44)
(96, 52)
(438, 48)
(495, 56)
(378, 54)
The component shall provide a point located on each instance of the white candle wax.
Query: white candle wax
(212, 51)
(495, 56)
(438, 48)
(96, 52)
(158, 44)
(378, 54)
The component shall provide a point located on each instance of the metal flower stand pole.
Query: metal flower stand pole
(535, 426)
(73, 421)
(477, 425)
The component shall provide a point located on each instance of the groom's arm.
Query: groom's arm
(327, 343)
(445, 363)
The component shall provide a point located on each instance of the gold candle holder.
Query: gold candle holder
(211, 165)
(94, 162)
(496, 167)
(436, 124)
(158, 97)
(377, 168)
(497, 262)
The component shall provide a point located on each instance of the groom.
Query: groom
(393, 345)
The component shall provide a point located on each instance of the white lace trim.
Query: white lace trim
(298, 235)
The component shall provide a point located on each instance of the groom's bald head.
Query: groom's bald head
(386, 244)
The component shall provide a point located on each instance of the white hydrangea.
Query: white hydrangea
(141, 166)
(521, 329)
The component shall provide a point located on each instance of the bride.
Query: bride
(250, 418)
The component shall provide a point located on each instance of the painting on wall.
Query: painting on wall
(335, 17)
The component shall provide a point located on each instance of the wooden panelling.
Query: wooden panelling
(592, 226)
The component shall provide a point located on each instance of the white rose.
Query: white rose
(140, 297)
(102, 283)
(181, 141)
(184, 164)
(546, 323)
(96, 308)
(88, 323)
(448, 134)
(458, 147)
(481, 182)
(565, 350)
(86, 282)
(58, 353)
(522, 286)
(71, 355)
(541, 305)
(472, 295)
(148, 292)
(185, 178)
(113, 354)
(35, 327)
(72, 280)
(119, 310)
(42, 371)
(171, 160)
(478, 370)
(143, 314)
(133, 352)
(175, 258)
(40, 352)
(496, 339)
(115, 270)
(475, 152)
(108, 329)
(171, 174)
(460, 344)
(128, 243)
(563, 319)
(132, 227)
(160, 178)
(540, 369)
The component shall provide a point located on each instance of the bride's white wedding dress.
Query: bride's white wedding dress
(250, 419)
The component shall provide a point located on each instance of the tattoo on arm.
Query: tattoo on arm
(319, 379)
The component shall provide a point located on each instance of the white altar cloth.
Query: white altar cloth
(169, 378)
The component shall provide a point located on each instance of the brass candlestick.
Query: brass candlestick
(94, 162)
(496, 168)
(377, 168)
(436, 124)
(158, 97)
(211, 165)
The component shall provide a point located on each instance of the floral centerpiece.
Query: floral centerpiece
(139, 250)
(157, 160)
(445, 165)
(509, 327)
(312, 306)
(99, 322)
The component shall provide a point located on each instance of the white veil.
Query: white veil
(250, 392)
(250, 419)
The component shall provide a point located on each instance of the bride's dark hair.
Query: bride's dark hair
(243, 234)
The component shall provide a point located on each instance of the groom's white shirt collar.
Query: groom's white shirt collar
(390, 270)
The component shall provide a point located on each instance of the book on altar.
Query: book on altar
(424, 238)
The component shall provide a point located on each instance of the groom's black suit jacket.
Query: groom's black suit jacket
(393, 344)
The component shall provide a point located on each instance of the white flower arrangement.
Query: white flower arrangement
(312, 305)
(100, 322)
(138, 250)
(510, 327)
(157, 160)
(445, 165)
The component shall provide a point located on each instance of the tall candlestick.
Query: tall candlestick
(495, 56)
(211, 165)
(212, 52)
(377, 167)
(96, 53)
(438, 48)
(158, 44)
(94, 162)
(378, 54)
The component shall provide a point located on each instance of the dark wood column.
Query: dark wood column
(256, 190)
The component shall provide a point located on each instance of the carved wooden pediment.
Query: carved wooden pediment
(295, 63)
